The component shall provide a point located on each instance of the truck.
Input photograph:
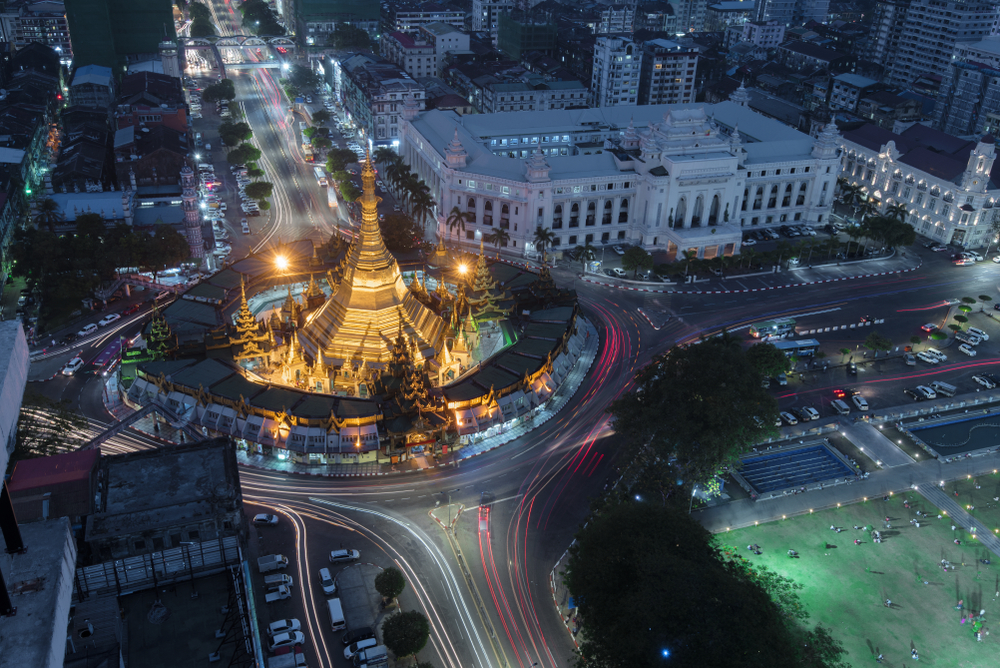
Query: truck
(286, 658)
(272, 562)
(277, 594)
(944, 388)
(276, 580)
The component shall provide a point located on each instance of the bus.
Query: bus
(769, 328)
(107, 359)
(307, 153)
(800, 348)
(320, 176)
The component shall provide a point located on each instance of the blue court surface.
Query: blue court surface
(964, 433)
(793, 468)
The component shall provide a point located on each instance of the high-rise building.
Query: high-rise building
(486, 15)
(112, 32)
(26, 21)
(316, 19)
(520, 32)
(921, 39)
(615, 78)
(887, 26)
(791, 12)
(667, 73)
(969, 99)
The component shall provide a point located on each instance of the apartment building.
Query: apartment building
(969, 99)
(525, 96)
(615, 78)
(667, 73)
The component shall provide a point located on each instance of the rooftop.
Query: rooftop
(53, 470)
(855, 80)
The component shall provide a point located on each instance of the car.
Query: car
(975, 331)
(973, 255)
(860, 402)
(87, 330)
(924, 357)
(72, 366)
(283, 626)
(286, 640)
(129, 310)
(356, 647)
(338, 556)
(246, 226)
(326, 582)
(937, 354)
(938, 248)
(264, 519)
(967, 349)
(788, 418)
(996, 258)
(812, 412)
(929, 327)
(749, 241)
(926, 392)
(963, 262)
(852, 369)
(801, 414)
(108, 319)
(358, 634)
(618, 249)
(913, 394)
(984, 381)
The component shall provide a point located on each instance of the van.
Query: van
(839, 407)
(944, 388)
(197, 139)
(975, 331)
(937, 354)
(336, 614)
(373, 656)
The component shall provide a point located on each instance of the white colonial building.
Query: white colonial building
(949, 186)
(664, 177)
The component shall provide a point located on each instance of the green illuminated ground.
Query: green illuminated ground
(846, 584)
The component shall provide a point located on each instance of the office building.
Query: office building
(791, 13)
(949, 186)
(374, 95)
(423, 53)
(533, 96)
(410, 17)
(667, 73)
(486, 15)
(663, 177)
(520, 32)
(615, 78)
(111, 33)
(969, 99)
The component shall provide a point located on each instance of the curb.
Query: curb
(747, 290)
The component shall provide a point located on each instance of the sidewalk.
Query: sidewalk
(828, 273)
(875, 444)
(158, 428)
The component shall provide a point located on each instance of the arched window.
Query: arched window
(758, 198)
(681, 212)
(623, 211)
(713, 213)
(471, 215)
(608, 209)
(591, 213)
(472, 203)
(607, 205)
(699, 205)
(504, 210)
(488, 206)
(787, 198)
(557, 217)
(746, 196)
(574, 215)
(488, 213)
(801, 199)
(772, 199)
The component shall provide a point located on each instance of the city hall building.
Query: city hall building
(664, 177)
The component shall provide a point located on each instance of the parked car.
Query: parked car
(924, 357)
(789, 418)
(358, 634)
(72, 366)
(264, 519)
(338, 556)
(326, 582)
(860, 402)
(984, 381)
(283, 626)
(108, 319)
(967, 349)
(618, 249)
(286, 640)
(926, 392)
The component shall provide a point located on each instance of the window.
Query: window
(472, 184)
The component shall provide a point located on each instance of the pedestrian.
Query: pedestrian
(888, 603)
(913, 653)
(958, 542)
(959, 606)
(878, 659)
(952, 527)
(857, 542)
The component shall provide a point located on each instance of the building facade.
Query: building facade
(667, 73)
(522, 96)
(949, 186)
(767, 34)
(615, 20)
(847, 90)
(407, 18)
(486, 15)
(969, 99)
(110, 32)
(93, 86)
(791, 12)
(615, 77)
(664, 177)
(374, 94)
(43, 22)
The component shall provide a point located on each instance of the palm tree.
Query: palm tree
(384, 155)
(689, 257)
(543, 239)
(855, 233)
(422, 206)
(498, 237)
(48, 214)
(896, 212)
(456, 220)
(833, 246)
(748, 254)
(782, 248)
(586, 253)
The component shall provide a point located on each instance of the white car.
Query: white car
(812, 412)
(72, 366)
(337, 556)
(789, 418)
(356, 647)
(326, 582)
(860, 402)
(283, 626)
(985, 382)
(618, 249)
(108, 319)
(264, 519)
(924, 357)
(967, 349)
(937, 354)
(749, 241)
(973, 255)
(287, 640)
(975, 331)
(87, 330)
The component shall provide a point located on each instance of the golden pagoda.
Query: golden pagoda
(251, 340)
(370, 303)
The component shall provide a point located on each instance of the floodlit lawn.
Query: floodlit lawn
(845, 585)
(984, 508)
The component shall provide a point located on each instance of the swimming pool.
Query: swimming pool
(795, 467)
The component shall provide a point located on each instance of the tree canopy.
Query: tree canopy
(259, 190)
(224, 90)
(767, 360)
(349, 38)
(338, 159)
(636, 258)
(233, 134)
(243, 154)
(400, 232)
(651, 583)
(261, 19)
(875, 341)
(390, 583)
(702, 404)
(405, 633)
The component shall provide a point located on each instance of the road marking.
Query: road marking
(492, 503)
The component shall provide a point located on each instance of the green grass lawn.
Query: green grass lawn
(984, 508)
(845, 585)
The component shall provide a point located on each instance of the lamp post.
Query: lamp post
(691, 505)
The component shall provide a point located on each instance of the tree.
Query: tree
(767, 360)
(636, 258)
(303, 78)
(338, 159)
(243, 154)
(499, 238)
(233, 134)
(321, 117)
(405, 633)
(202, 28)
(259, 190)
(349, 38)
(630, 556)
(224, 90)
(703, 405)
(199, 11)
(543, 239)
(322, 143)
(399, 231)
(457, 219)
(349, 191)
(49, 214)
(960, 318)
(165, 248)
(875, 341)
(390, 583)
(421, 207)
